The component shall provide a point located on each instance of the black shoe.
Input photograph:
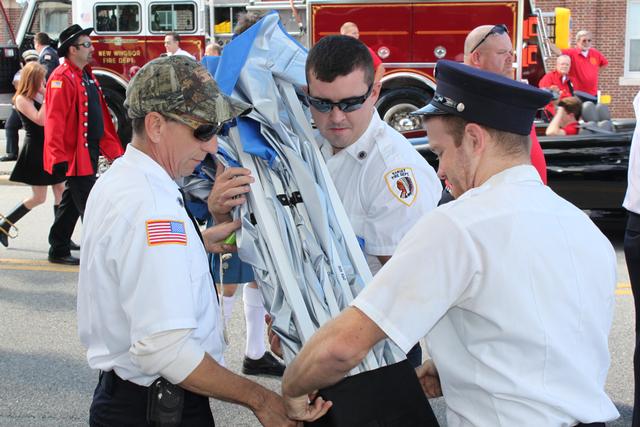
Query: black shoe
(74, 246)
(65, 259)
(266, 365)
(9, 158)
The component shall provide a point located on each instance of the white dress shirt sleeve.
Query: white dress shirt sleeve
(172, 354)
(422, 280)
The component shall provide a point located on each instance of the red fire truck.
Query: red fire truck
(410, 36)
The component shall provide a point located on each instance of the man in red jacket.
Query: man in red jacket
(586, 62)
(77, 129)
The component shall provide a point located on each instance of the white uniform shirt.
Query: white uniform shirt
(132, 285)
(632, 198)
(181, 52)
(384, 185)
(514, 289)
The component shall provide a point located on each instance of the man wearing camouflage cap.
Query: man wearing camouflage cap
(147, 309)
(511, 286)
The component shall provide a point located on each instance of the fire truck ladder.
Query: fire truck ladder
(546, 20)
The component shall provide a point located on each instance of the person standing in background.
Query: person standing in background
(172, 45)
(29, 169)
(47, 54)
(13, 123)
(586, 62)
(78, 128)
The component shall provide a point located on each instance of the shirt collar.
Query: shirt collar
(143, 162)
(512, 175)
(360, 149)
(75, 68)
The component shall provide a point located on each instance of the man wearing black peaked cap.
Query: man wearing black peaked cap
(511, 286)
(77, 129)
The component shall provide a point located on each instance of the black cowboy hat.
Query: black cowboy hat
(69, 35)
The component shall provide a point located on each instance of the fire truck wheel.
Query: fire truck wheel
(115, 103)
(395, 105)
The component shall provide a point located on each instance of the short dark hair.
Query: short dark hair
(137, 125)
(42, 38)
(244, 20)
(174, 35)
(573, 105)
(511, 143)
(335, 56)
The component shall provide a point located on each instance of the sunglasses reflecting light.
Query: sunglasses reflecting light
(84, 44)
(346, 105)
(204, 133)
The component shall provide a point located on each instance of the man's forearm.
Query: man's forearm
(213, 380)
(313, 369)
(331, 353)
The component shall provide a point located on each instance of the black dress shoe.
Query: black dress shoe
(266, 365)
(74, 246)
(66, 260)
(9, 158)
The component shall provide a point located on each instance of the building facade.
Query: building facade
(615, 29)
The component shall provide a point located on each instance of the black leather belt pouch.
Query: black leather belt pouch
(165, 402)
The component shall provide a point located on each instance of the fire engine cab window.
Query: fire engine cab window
(178, 17)
(117, 18)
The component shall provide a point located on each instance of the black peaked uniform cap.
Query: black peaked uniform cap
(485, 98)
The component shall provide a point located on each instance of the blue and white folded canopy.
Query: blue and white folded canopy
(295, 232)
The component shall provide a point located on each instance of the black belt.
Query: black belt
(590, 425)
(111, 381)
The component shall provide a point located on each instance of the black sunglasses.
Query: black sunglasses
(346, 105)
(83, 44)
(204, 133)
(497, 29)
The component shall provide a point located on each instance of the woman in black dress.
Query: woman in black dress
(29, 168)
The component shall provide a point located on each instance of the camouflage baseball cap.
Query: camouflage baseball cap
(180, 88)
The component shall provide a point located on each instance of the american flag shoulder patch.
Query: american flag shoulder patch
(56, 84)
(166, 232)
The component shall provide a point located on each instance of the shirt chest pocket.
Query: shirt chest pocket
(202, 287)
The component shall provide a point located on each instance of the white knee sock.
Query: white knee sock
(227, 307)
(254, 316)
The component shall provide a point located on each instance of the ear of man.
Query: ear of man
(476, 138)
(153, 125)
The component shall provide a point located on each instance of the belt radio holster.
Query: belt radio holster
(164, 403)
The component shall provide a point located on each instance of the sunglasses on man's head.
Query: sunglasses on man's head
(346, 105)
(496, 29)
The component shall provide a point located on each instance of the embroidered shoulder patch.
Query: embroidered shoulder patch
(56, 84)
(47, 57)
(402, 184)
(166, 232)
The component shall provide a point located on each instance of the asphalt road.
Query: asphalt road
(45, 380)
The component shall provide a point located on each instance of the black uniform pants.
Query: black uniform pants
(74, 200)
(117, 402)
(11, 127)
(632, 256)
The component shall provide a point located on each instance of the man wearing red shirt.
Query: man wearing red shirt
(558, 82)
(565, 122)
(489, 48)
(586, 62)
